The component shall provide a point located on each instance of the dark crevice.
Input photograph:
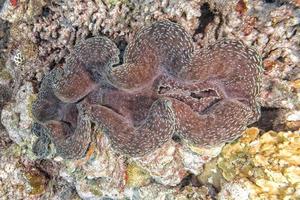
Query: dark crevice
(48, 168)
(39, 164)
(89, 35)
(207, 16)
(280, 59)
(46, 11)
(163, 89)
(271, 119)
(218, 29)
(176, 138)
(270, 1)
(52, 65)
(195, 96)
(75, 28)
(173, 20)
(294, 33)
(203, 94)
(121, 44)
(192, 180)
(278, 2)
(208, 108)
(270, 52)
(184, 15)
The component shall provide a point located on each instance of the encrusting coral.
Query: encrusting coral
(165, 86)
(267, 165)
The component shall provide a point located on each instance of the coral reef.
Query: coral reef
(170, 84)
(164, 164)
(156, 192)
(12, 183)
(268, 166)
(36, 36)
(101, 173)
(256, 167)
(16, 116)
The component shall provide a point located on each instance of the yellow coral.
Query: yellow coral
(37, 182)
(136, 176)
(268, 165)
(296, 84)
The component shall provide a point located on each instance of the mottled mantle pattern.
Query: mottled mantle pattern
(165, 86)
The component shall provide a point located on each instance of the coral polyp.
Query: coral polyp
(166, 85)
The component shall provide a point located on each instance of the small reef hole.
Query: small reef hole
(207, 16)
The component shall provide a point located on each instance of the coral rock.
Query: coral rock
(266, 166)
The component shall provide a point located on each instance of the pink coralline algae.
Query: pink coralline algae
(165, 86)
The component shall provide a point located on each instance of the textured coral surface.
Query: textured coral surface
(38, 38)
(268, 165)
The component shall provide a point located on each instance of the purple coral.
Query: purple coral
(165, 86)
